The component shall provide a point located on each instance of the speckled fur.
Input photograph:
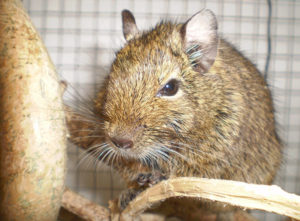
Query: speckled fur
(223, 123)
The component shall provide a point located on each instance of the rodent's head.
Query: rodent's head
(159, 89)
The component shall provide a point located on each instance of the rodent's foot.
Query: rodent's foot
(126, 196)
(149, 179)
(144, 180)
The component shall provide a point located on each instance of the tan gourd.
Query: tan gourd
(32, 125)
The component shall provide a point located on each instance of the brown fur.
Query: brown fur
(223, 122)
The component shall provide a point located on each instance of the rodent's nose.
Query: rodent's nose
(122, 143)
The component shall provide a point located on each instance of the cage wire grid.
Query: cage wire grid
(82, 36)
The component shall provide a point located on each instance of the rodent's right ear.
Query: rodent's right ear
(200, 38)
(129, 26)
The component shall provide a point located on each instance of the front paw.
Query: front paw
(126, 196)
(149, 179)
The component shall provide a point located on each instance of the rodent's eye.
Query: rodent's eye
(170, 89)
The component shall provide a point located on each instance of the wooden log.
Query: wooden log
(32, 123)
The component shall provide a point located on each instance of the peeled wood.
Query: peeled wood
(244, 195)
(32, 125)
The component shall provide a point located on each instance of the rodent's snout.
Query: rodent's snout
(122, 143)
(121, 137)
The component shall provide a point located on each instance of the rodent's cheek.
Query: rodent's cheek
(106, 126)
(109, 129)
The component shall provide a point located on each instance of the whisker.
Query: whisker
(85, 119)
(115, 156)
(110, 156)
(164, 155)
(84, 156)
(90, 153)
(79, 109)
(84, 130)
(97, 155)
(106, 155)
(88, 136)
(175, 152)
(79, 98)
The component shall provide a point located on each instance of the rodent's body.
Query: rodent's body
(220, 123)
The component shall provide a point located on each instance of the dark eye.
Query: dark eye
(170, 89)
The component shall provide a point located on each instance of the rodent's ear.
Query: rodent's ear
(129, 26)
(200, 39)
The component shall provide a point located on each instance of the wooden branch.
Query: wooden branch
(83, 207)
(250, 196)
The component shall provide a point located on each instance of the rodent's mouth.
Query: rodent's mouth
(134, 153)
(128, 154)
(139, 149)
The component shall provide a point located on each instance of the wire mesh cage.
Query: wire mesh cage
(82, 36)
